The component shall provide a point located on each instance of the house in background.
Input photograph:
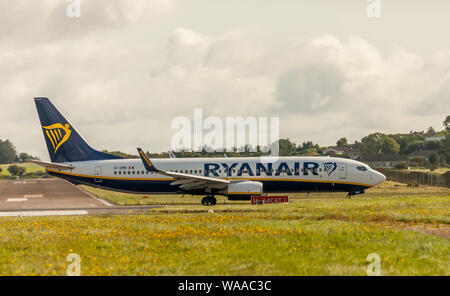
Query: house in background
(434, 138)
(350, 151)
(385, 160)
(423, 154)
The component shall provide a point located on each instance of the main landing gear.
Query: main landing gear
(209, 200)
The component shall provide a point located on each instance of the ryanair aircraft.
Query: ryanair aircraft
(237, 178)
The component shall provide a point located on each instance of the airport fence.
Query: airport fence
(418, 178)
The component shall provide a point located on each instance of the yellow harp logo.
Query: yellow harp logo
(57, 134)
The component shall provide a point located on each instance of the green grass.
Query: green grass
(435, 171)
(387, 189)
(316, 235)
(30, 168)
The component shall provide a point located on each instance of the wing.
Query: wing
(52, 165)
(186, 182)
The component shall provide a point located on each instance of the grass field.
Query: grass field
(436, 171)
(323, 234)
(30, 168)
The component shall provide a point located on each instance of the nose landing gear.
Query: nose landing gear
(209, 200)
(351, 193)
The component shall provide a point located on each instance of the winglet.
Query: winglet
(147, 163)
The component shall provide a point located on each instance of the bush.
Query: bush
(434, 158)
(400, 166)
(16, 170)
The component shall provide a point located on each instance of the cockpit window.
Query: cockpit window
(361, 168)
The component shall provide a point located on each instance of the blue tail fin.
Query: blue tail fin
(64, 144)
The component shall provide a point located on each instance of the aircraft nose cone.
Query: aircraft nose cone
(379, 178)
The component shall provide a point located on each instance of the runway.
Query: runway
(54, 197)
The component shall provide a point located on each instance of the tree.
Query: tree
(23, 157)
(431, 130)
(308, 148)
(413, 146)
(406, 142)
(390, 146)
(8, 152)
(342, 142)
(287, 148)
(379, 143)
(16, 170)
(445, 148)
(433, 158)
(447, 123)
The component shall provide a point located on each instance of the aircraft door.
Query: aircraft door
(98, 174)
(342, 170)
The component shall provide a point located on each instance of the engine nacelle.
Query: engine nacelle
(244, 190)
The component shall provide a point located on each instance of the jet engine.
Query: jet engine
(244, 190)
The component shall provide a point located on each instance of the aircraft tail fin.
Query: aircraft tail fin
(64, 144)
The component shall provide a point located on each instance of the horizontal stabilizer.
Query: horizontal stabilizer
(52, 165)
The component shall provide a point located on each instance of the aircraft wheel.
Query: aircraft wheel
(209, 201)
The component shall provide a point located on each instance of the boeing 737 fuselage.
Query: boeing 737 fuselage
(237, 178)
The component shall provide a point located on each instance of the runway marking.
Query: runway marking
(23, 182)
(104, 202)
(33, 195)
(16, 199)
(42, 213)
(94, 197)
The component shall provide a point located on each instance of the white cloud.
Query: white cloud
(121, 95)
(31, 22)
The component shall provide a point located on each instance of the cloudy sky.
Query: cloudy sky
(126, 68)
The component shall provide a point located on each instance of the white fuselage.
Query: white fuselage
(286, 174)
